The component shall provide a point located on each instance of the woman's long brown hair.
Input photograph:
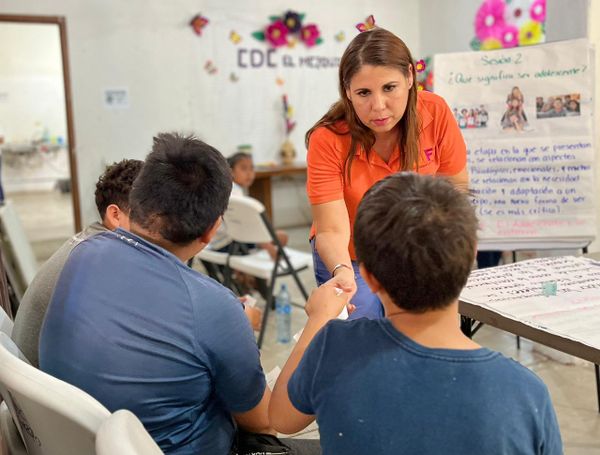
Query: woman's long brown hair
(376, 47)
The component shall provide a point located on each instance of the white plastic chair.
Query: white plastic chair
(246, 222)
(123, 433)
(6, 323)
(8, 428)
(53, 417)
(10, 433)
(213, 261)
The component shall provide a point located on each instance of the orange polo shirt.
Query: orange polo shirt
(442, 151)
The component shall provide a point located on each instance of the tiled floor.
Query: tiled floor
(572, 386)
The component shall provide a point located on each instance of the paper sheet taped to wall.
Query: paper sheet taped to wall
(526, 116)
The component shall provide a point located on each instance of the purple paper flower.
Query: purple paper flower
(292, 21)
(509, 35)
(276, 34)
(489, 17)
(310, 34)
(538, 10)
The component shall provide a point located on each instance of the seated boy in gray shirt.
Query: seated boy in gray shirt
(112, 194)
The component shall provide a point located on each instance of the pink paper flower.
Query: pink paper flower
(538, 10)
(509, 36)
(310, 34)
(276, 34)
(489, 17)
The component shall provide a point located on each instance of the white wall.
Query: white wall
(448, 26)
(148, 47)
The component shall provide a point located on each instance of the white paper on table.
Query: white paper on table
(515, 290)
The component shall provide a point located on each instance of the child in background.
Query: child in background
(242, 172)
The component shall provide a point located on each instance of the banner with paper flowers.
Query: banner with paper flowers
(509, 23)
(288, 29)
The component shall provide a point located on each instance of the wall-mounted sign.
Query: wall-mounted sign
(116, 98)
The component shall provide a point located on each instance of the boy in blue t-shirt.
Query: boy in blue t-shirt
(132, 325)
(411, 383)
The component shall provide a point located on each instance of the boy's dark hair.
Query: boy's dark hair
(417, 236)
(182, 190)
(236, 158)
(114, 185)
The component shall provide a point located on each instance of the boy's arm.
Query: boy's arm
(324, 304)
(256, 420)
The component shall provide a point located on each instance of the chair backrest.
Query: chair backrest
(6, 323)
(10, 433)
(18, 249)
(123, 433)
(53, 417)
(11, 347)
(5, 301)
(244, 221)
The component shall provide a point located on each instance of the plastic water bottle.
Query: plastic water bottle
(283, 313)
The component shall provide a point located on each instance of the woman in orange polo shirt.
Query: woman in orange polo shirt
(380, 125)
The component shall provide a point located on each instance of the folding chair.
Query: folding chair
(216, 265)
(53, 417)
(123, 433)
(246, 222)
(213, 261)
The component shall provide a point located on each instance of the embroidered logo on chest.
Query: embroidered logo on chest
(428, 153)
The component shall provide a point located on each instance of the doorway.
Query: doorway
(37, 138)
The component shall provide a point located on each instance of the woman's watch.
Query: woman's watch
(339, 266)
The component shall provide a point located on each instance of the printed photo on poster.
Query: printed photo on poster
(558, 106)
(471, 116)
(514, 117)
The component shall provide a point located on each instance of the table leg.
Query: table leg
(261, 190)
(597, 384)
(466, 326)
